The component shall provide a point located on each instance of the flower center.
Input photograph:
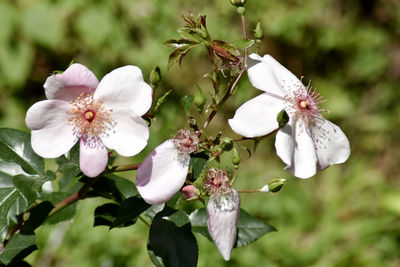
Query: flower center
(217, 182)
(185, 141)
(89, 118)
(304, 104)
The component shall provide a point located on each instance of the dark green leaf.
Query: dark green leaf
(152, 211)
(63, 215)
(15, 147)
(190, 35)
(187, 101)
(105, 214)
(37, 215)
(198, 162)
(180, 44)
(157, 261)
(129, 210)
(172, 240)
(242, 43)
(18, 248)
(249, 228)
(69, 168)
(114, 187)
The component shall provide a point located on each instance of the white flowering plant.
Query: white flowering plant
(180, 188)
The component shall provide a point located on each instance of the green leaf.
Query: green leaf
(242, 43)
(15, 147)
(105, 214)
(37, 215)
(190, 35)
(129, 210)
(172, 240)
(114, 187)
(198, 162)
(66, 213)
(187, 101)
(156, 260)
(17, 248)
(180, 44)
(249, 228)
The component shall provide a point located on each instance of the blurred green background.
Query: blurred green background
(347, 215)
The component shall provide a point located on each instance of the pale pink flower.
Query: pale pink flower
(101, 115)
(308, 142)
(164, 170)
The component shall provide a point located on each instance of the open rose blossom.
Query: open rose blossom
(101, 115)
(164, 170)
(308, 141)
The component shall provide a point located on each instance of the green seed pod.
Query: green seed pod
(241, 10)
(155, 75)
(235, 157)
(258, 31)
(282, 118)
(226, 143)
(276, 185)
(199, 99)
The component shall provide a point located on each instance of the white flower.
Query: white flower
(102, 115)
(308, 142)
(164, 170)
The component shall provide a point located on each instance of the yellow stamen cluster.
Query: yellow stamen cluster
(89, 117)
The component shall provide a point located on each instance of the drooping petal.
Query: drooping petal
(93, 157)
(296, 148)
(162, 173)
(71, 83)
(222, 221)
(269, 75)
(257, 117)
(332, 145)
(129, 134)
(125, 88)
(51, 134)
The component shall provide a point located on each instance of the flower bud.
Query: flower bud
(235, 157)
(155, 75)
(275, 185)
(258, 31)
(241, 10)
(282, 118)
(226, 143)
(238, 2)
(199, 99)
(189, 192)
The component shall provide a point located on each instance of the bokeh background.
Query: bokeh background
(347, 215)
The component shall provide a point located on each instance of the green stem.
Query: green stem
(123, 168)
(144, 221)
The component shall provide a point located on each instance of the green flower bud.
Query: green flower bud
(258, 31)
(235, 157)
(155, 75)
(276, 185)
(241, 10)
(199, 99)
(282, 118)
(238, 2)
(226, 143)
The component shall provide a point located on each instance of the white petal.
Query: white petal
(51, 134)
(296, 148)
(93, 158)
(125, 88)
(222, 221)
(332, 145)
(162, 173)
(71, 83)
(257, 117)
(128, 136)
(269, 75)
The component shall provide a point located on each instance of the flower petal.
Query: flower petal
(51, 134)
(269, 75)
(257, 117)
(125, 88)
(71, 83)
(297, 149)
(222, 221)
(332, 145)
(93, 158)
(128, 136)
(162, 173)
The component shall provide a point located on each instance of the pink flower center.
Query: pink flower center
(217, 182)
(185, 141)
(89, 118)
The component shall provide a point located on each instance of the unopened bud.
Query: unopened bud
(275, 185)
(155, 75)
(199, 99)
(238, 2)
(189, 192)
(282, 118)
(241, 10)
(258, 31)
(235, 157)
(226, 143)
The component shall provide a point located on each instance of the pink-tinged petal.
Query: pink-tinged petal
(162, 173)
(257, 117)
(332, 145)
(222, 221)
(93, 158)
(125, 88)
(51, 134)
(296, 148)
(71, 83)
(129, 134)
(267, 74)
